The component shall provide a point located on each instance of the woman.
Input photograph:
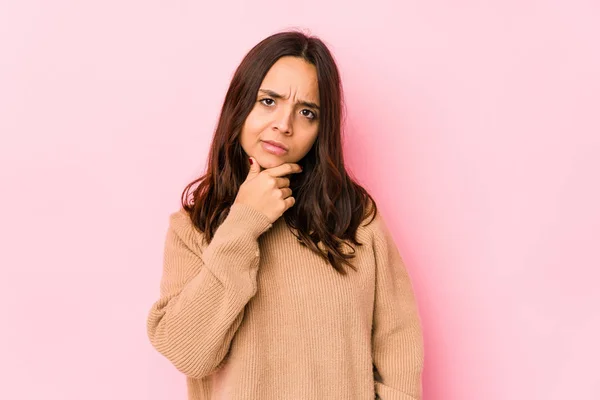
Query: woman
(280, 278)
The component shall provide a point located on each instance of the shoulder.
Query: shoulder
(180, 221)
(376, 231)
(182, 230)
(373, 223)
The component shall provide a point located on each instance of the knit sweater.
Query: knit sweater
(256, 315)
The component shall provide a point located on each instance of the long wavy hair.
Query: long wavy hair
(329, 205)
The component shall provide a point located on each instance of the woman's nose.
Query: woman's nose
(283, 121)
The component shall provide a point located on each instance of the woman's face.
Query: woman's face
(284, 121)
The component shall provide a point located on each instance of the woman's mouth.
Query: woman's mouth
(272, 148)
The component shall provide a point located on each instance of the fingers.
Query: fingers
(286, 192)
(290, 201)
(254, 168)
(284, 169)
(282, 182)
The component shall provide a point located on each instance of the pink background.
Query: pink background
(475, 125)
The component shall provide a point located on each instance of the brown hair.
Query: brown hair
(329, 205)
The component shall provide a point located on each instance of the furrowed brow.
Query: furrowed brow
(276, 95)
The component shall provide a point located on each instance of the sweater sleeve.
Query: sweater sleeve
(397, 341)
(203, 292)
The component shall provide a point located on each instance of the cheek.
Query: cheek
(307, 142)
(254, 123)
(250, 131)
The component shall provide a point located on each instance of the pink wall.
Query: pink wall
(475, 124)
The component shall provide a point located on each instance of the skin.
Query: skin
(286, 111)
(286, 119)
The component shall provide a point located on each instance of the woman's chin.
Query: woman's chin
(270, 162)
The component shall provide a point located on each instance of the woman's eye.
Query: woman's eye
(306, 112)
(267, 99)
(309, 114)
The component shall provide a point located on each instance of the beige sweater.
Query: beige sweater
(255, 315)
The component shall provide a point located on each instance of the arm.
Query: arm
(397, 337)
(203, 293)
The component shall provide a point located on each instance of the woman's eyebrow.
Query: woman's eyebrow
(279, 96)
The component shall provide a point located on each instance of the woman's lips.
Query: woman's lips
(271, 148)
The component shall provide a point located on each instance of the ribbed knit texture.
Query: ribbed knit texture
(256, 315)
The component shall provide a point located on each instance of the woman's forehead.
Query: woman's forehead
(293, 76)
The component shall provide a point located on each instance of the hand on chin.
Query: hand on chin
(270, 162)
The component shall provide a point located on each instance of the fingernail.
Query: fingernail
(249, 159)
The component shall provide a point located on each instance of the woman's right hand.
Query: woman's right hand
(268, 191)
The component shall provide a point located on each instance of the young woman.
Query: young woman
(280, 277)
